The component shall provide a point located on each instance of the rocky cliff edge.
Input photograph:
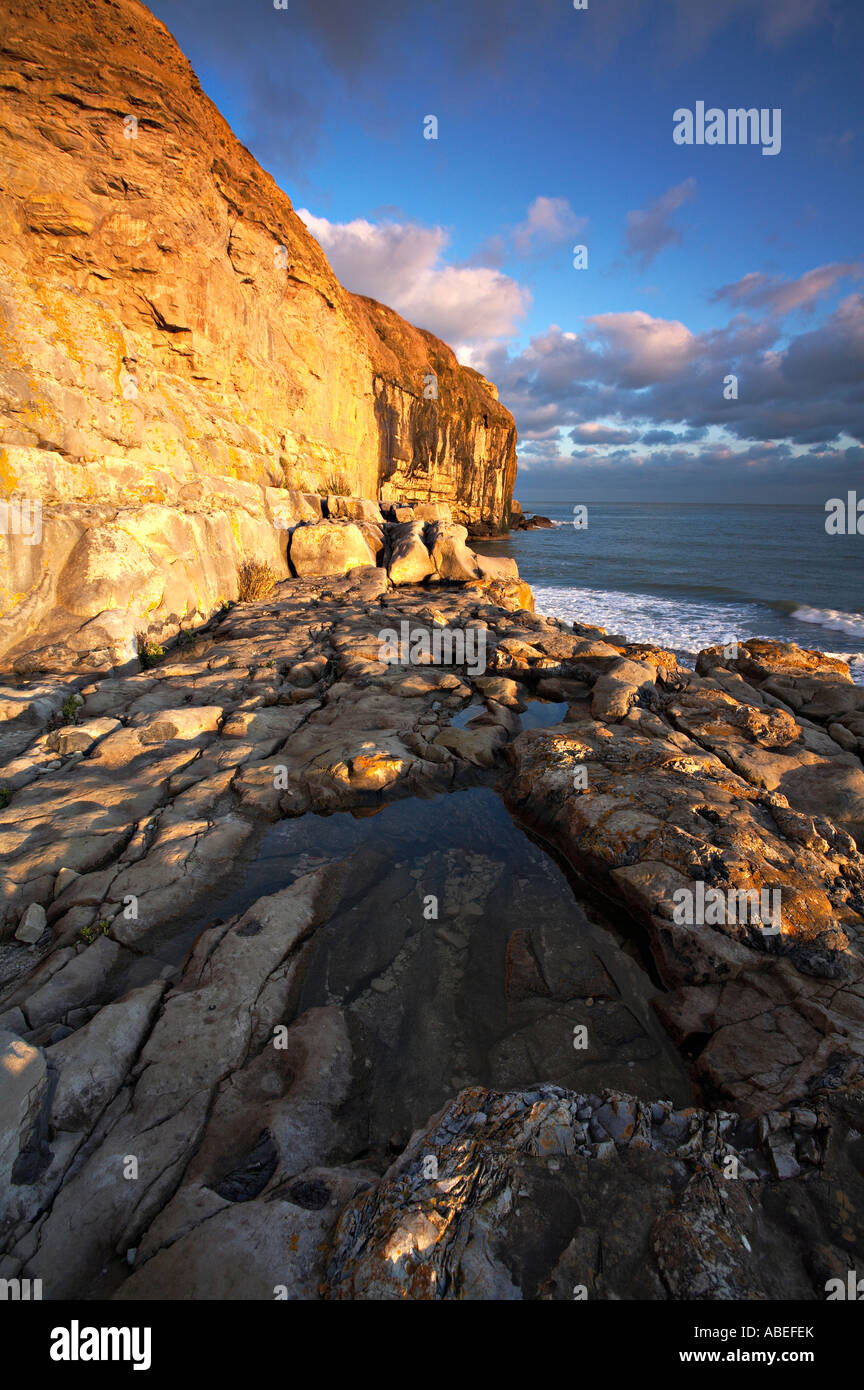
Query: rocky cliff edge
(177, 358)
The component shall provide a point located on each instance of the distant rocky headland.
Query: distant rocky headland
(364, 933)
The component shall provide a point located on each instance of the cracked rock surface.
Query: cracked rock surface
(223, 1046)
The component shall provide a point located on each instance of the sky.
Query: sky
(712, 348)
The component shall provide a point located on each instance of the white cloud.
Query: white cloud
(593, 432)
(550, 221)
(400, 264)
(645, 350)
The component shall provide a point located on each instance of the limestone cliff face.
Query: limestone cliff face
(175, 349)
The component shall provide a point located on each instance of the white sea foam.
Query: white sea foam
(833, 618)
(687, 626)
(856, 664)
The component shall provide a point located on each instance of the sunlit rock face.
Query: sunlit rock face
(175, 349)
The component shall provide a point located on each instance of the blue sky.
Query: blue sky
(555, 129)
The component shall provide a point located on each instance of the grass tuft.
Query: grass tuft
(149, 652)
(254, 581)
(334, 487)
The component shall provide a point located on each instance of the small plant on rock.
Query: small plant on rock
(149, 652)
(254, 581)
(334, 487)
(100, 928)
(69, 709)
(5, 797)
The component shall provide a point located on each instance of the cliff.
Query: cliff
(177, 357)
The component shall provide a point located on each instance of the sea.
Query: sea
(687, 576)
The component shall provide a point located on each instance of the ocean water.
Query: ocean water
(689, 576)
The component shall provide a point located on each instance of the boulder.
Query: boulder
(354, 509)
(109, 569)
(32, 924)
(287, 508)
(432, 511)
(451, 556)
(169, 724)
(409, 561)
(329, 547)
(373, 534)
(497, 566)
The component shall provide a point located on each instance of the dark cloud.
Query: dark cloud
(280, 64)
(650, 229)
(761, 475)
(654, 373)
(651, 437)
(661, 389)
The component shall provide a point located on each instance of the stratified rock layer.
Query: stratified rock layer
(554, 1195)
(175, 350)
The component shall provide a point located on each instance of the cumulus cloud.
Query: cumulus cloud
(593, 434)
(550, 221)
(657, 379)
(780, 296)
(644, 350)
(548, 224)
(400, 264)
(650, 229)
